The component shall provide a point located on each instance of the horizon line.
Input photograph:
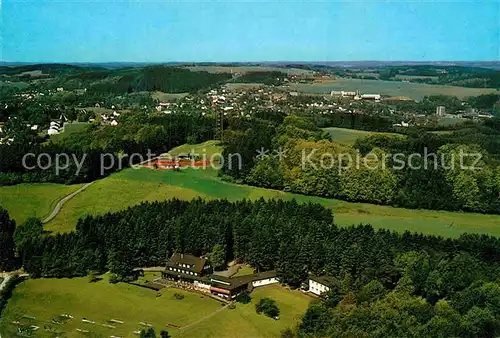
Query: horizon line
(262, 61)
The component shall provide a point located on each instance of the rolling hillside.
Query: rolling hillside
(131, 187)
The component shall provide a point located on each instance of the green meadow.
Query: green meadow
(133, 186)
(207, 148)
(68, 129)
(349, 136)
(33, 200)
(244, 322)
(38, 301)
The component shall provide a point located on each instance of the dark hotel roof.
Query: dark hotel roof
(195, 264)
(325, 280)
(231, 283)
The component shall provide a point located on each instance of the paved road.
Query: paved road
(59, 204)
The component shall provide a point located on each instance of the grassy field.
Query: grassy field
(167, 96)
(244, 322)
(393, 88)
(414, 77)
(115, 193)
(349, 136)
(449, 121)
(206, 148)
(46, 299)
(20, 85)
(33, 200)
(242, 86)
(131, 187)
(68, 129)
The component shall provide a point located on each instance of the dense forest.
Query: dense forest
(158, 78)
(267, 78)
(434, 180)
(382, 283)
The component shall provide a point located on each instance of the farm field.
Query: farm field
(449, 121)
(243, 69)
(133, 186)
(33, 200)
(242, 86)
(167, 96)
(349, 136)
(46, 299)
(393, 88)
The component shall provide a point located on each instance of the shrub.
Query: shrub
(244, 297)
(93, 276)
(114, 278)
(268, 307)
(178, 296)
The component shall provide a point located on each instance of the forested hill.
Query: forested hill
(382, 283)
(101, 80)
(166, 79)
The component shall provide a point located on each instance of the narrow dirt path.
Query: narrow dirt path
(61, 202)
(204, 318)
(4, 282)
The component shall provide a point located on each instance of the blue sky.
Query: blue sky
(161, 31)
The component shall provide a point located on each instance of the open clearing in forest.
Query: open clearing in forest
(46, 299)
(68, 129)
(207, 148)
(349, 136)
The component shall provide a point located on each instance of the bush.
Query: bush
(93, 276)
(114, 278)
(244, 297)
(178, 296)
(268, 307)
